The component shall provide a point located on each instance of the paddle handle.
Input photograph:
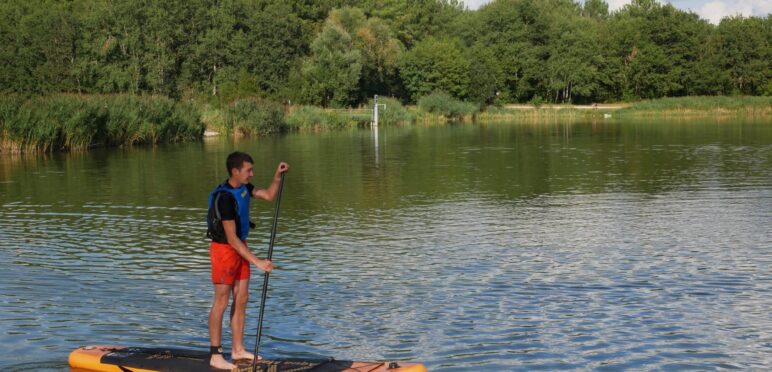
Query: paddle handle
(267, 274)
(275, 218)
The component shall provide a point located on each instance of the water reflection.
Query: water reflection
(491, 247)
(375, 146)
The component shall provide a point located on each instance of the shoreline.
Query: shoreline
(69, 122)
(597, 106)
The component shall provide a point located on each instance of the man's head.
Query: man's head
(239, 166)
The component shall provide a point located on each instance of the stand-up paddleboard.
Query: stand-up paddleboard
(140, 359)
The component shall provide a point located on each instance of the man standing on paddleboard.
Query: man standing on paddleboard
(228, 226)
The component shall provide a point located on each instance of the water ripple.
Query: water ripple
(666, 268)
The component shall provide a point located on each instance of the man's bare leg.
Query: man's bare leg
(238, 313)
(219, 304)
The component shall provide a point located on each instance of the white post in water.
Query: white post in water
(375, 142)
(375, 111)
(374, 122)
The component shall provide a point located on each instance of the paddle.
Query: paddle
(265, 278)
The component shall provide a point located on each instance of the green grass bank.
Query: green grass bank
(701, 106)
(682, 107)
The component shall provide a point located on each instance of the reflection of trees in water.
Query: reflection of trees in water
(513, 160)
(344, 170)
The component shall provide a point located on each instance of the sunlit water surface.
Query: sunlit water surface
(465, 247)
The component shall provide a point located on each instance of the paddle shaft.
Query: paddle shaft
(267, 274)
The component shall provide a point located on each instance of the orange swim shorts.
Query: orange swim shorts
(227, 264)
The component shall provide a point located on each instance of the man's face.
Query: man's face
(243, 174)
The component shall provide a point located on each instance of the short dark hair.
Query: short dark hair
(236, 159)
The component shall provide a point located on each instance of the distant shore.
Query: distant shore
(597, 106)
(682, 107)
(70, 122)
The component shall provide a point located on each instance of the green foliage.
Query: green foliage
(135, 46)
(37, 46)
(254, 117)
(74, 122)
(332, 72)
(415, 20)
(339, 53)
(518, 32)
(436, 64)
(245, 86)
(741, 52)
(238, 37)
(572, 68)
(597, 9)
(310, 118)
(443, 104)
(658, 49)
(380, 54)
(379, 51)
(485, 76)
(348, 18)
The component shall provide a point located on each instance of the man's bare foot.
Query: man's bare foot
(217, 361)
(243, 354)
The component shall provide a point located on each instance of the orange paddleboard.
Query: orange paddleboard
(139, 359)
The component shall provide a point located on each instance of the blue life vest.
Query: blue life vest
(214, 221)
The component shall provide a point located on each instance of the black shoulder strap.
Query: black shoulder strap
(216, 206)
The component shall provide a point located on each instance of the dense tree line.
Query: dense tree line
(339, 53)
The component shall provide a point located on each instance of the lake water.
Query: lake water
(496, 247)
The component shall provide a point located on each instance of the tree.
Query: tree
(436, 64)
(338, 52)
(597, 9)
(378, 49)
(741, 49)
(348, 18)
(517, 31)
(380, 54)
(333, 69)
(485, 77)
(573, 59)
(39, 47)
(416, 20)
(659, 46)
(266, 43)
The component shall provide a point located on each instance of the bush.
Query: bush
(255, 117)
(393, 112)
(305, 118)
(445, 105)
(536, 101)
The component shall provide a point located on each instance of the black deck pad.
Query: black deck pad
(178, 360)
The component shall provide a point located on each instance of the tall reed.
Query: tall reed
(76, 122)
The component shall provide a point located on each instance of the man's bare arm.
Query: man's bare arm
(230, 232)
(269, 194)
